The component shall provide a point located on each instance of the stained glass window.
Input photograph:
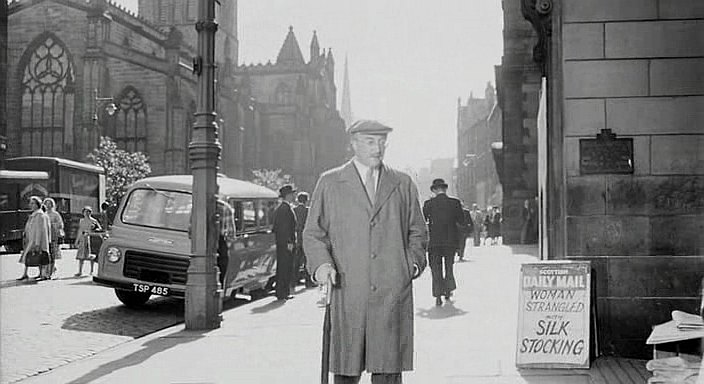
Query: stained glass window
(47, 99)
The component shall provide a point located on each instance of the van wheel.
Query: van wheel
(132, 299)
(258, 294)
(270, 284)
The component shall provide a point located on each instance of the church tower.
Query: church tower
(182, 14)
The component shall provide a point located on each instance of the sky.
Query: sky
(409, 60)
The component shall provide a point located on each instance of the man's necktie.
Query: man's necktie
(370, 184)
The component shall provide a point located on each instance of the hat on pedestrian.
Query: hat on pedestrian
(438, 183)
(369, 127)
(87, 208)
(302, 197)
(286, 190)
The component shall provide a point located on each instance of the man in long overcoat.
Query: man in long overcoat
(365, 232)
(444, 216)
(284, 229)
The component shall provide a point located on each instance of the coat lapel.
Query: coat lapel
(387, 184)
(351, 177)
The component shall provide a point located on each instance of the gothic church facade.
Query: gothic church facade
(64, 56)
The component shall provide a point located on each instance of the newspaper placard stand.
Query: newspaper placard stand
(554, 316)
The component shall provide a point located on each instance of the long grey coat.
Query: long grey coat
(373, 249)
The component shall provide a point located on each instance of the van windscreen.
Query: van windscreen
(159, 209)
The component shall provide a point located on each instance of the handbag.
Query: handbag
(37, 257)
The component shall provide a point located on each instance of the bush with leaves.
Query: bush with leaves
(122, 168)
(271, 178)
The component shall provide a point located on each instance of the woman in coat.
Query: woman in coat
(85, 227)
(36, 234)
(57, 232)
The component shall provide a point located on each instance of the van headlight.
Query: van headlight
(114, 254)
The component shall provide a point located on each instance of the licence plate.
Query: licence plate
(153, 289)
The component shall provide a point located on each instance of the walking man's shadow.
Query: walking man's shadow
(447, 310)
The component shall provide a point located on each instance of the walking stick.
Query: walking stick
(325, 363)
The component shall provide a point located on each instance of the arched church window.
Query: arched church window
(130, 123)
(47, 98)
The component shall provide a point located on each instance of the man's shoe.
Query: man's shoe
(438, 301)
(23, 277)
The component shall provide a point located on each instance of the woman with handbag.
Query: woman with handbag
(36, 239)
(85, 227)
(57, 232)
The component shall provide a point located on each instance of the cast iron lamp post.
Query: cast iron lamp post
(203, 290)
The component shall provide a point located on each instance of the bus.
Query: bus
(16, 187)
(72, 184)
(147, 249)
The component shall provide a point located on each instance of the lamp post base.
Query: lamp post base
(203, 296)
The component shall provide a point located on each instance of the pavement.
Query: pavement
(48, 324)
(469, 340)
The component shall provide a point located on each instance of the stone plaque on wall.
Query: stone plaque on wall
(606, 154)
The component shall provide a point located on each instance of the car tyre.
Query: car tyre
(132, 299)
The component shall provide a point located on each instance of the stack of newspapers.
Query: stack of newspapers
(684, 368)
(683, 326)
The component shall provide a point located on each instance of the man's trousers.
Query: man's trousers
(441, 261)
(284, 270)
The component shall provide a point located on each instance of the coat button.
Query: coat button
(373, 287)
(373, 223)
(373, 255)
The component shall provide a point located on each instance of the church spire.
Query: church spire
(346, 107)
(290, 53)
(314, 49)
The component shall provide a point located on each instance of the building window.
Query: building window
(47, 98)
(129, 128)
(284, 95)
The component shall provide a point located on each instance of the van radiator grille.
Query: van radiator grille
(153, 268)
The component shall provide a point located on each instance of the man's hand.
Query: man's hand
(325, 273)
(290, 247)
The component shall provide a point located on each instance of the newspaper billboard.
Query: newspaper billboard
(553, 317)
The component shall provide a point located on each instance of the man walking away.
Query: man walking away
(443, 215)
(477, 220)
(301, 212)
(365, 233)
(285, 232)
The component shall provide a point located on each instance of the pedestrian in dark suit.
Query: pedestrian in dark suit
(443, 215)
(285, 232)
(301, 212)
(464, 231)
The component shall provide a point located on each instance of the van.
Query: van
(147, 249)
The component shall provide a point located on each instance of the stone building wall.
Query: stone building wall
(636, 67)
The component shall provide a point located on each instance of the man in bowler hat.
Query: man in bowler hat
(444, 215)
(365, 234)
(285, 233)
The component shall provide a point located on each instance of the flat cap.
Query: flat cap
(369, 127)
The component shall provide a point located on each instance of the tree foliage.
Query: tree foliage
(271, 178)
(122, 168)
